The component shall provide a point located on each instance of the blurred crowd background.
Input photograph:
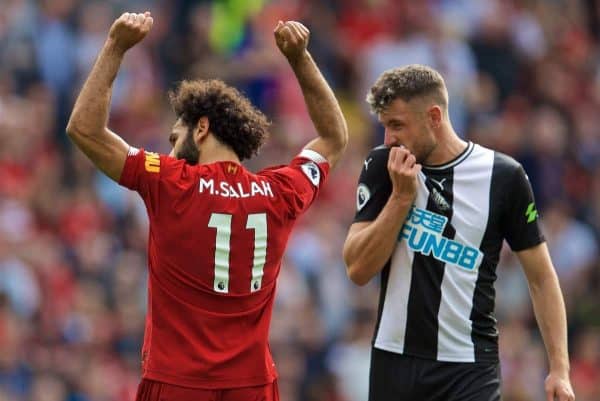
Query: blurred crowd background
(523, 76)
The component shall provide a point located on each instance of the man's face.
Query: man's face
(182, 142)
(406, 123)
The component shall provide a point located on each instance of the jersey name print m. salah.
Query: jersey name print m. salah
(437, 289)
(217, 237)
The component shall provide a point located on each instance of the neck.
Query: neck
(449, 146)
(213, 151)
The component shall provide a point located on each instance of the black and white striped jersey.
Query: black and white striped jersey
(437, 289)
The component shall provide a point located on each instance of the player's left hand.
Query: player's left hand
(291, 38)
(558, 388)
(129, 29)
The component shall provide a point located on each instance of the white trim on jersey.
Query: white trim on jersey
(312, 155)
(392, 326)
(463, 156)
(458, 285)
(132, 151)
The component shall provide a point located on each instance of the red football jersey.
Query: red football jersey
(217, 237)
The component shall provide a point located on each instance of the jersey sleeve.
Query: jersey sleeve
(143, 172)
(300, 181)
(521, 225)
(374, 185)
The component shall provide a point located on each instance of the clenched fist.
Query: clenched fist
(291, 38)
(129, 29)
(403, 169)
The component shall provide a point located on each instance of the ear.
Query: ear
(434, 116)
(201, 131)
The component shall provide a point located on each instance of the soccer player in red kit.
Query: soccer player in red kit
(217, 231)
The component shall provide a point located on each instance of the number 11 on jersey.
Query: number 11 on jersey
(222, 223)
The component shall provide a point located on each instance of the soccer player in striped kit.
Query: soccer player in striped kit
(432, 213)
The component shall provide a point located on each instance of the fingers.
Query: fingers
(301, 33)
(417, 168)
(148, 22)
(294, 27)
(304, 29)
(403, 170)
(291, 31)
(558, 388)
(401, 159)
(137, 20)
(565, 394)
(559, 393)
(550, 395)
(286, 33)
(129, 29)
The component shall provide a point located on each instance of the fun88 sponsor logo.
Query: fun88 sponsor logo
(423, 233)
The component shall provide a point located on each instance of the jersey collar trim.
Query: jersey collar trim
(458, 159)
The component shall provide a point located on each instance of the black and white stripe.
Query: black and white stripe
(426, 297)
(432, 308)
(470, 216)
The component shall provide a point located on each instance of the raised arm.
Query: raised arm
(87, 125)
(370, 244)
(549, 308)
(292, 38)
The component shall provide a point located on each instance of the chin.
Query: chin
(190, 158)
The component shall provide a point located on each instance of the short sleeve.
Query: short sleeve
(144, 171)
(141, 168)
(521, 220)
(374, 185)
(300, 181)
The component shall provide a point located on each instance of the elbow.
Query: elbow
(338, 136)
(343, 137)
(343, 144)
(73, 129)
(336, 148)
(356, 275)
(353, 269)
(76, 129)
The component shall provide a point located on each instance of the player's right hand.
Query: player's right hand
(403, 169)
(129, 29)
(292, 38)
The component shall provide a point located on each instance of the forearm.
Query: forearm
(321, 102)
(367, 251)
(549, 308)
(90, 113)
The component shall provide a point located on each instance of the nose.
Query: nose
(388, 138)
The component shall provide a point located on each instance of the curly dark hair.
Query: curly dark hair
(407, 83)
(232, 118)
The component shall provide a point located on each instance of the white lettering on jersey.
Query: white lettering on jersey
(235, 190)
(255, 189)
(267, 189)
(241, 191)
(209, 185)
